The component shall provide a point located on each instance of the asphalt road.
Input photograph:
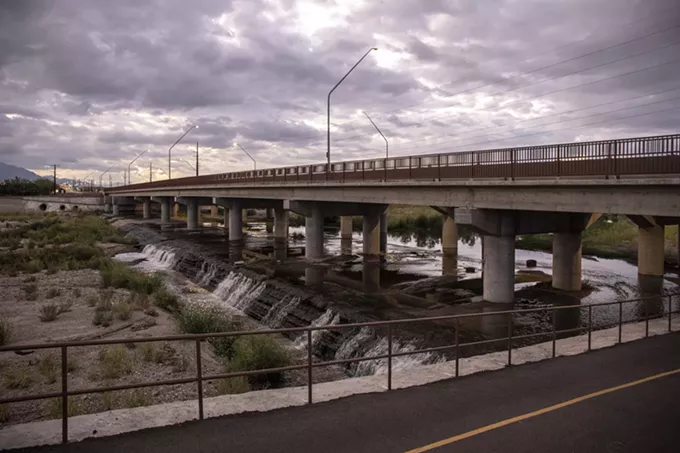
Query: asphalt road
(641, 417)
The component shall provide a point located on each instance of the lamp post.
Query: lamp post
(173, 145)
(102, 176)
(248, 154)
(387, 153)
(328, 111)
(129, 175)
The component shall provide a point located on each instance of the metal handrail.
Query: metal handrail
(311, 364)
(609, 158)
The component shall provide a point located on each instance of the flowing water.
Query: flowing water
(209, 262)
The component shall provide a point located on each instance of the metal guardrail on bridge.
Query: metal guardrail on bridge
(310, 364)
(657, 155)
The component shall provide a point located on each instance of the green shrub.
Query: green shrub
(5, 331)
(118, 275)
(233, 386)
(73, 407)
(49, 312)
(137, 398)
(166, 300)
(4, 413)
(148, 352)
(92, 301)
(102, 318)
(77, 292)
(114, 362)
(122, 311)
(194, 319)
(52, 293)
(258, 352)
(31, 291)
(104, 304)
(30, 279)
(19, 377)
(49, 367)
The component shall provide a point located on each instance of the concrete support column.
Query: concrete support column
(314, 234)
(175, 210)
(116, 209)
(269, 220)
(108, 204)
(192, 214)
(371, 236)
(226, 217)
(346, 235)
(383, 234)
(566, 262)
(678, 247)
(236, 222)
(449, 246)
(213, 211)
(147, 208)
(499, 269)
(281, 225)
(166, 207)
(651, 250)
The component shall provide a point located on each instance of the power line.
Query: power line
(538, 118)
(537, 97)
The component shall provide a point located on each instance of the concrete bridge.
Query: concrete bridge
(500, 193)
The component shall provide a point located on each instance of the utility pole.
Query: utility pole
(150, 171)
(54, 177)
(196, 158)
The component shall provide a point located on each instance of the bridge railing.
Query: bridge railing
(656, 155)
(654, 307)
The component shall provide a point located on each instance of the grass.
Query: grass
(52, 293)
(151, 353)
(49, 367)
(49, 312)
(114, 362)
(102, 318)
(31, 291)
(233, 386)
(118, 275)
(194, 319)
(165, 300)
(20, 377)
(122, 311)
(258, 352)
(5, 331)
(73, 407)
(137, 398)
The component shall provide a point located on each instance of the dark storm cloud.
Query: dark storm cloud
(92, 84)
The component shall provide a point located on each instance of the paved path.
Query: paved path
(621, 399)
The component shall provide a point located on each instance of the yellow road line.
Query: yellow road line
(545, 410)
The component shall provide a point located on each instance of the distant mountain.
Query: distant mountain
(10, 171)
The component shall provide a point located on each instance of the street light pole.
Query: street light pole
(196, 158)
(251, 157)
(387, 153)
(129, 174)
(102, 176)
(173, 145)
(328, 111)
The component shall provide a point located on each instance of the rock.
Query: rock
(531, 263)
(470, 269)
(143, 324)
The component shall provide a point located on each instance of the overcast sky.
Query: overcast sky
(90, 84)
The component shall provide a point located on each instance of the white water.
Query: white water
(329, 318)
(278, 312)
(238, 291)
(207, 273)
(155, 258)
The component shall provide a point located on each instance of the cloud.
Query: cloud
(91, 84)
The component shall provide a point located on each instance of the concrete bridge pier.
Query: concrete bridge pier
(192, 214)
(371, 236)
(280, 234)
(383, 235)
(314, 233)
(449, 245)
(651, 250)
(499, 268)
(116, 208)
(269, 220)
(236, 222)
(166, 208)
(346, 235)
(108, 204)
(567, 261)
(146, 208)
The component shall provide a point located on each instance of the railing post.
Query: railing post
(512, 164)
(199, 378)
(309, 366)
(559, 170)
(64, 395)
(439, 167)
(646, 319)
(554, 332)
(590, 326)
(409, 167)
(389, 357)
(509, 339)
(458, 344)
(620, 319)
(670, 311)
